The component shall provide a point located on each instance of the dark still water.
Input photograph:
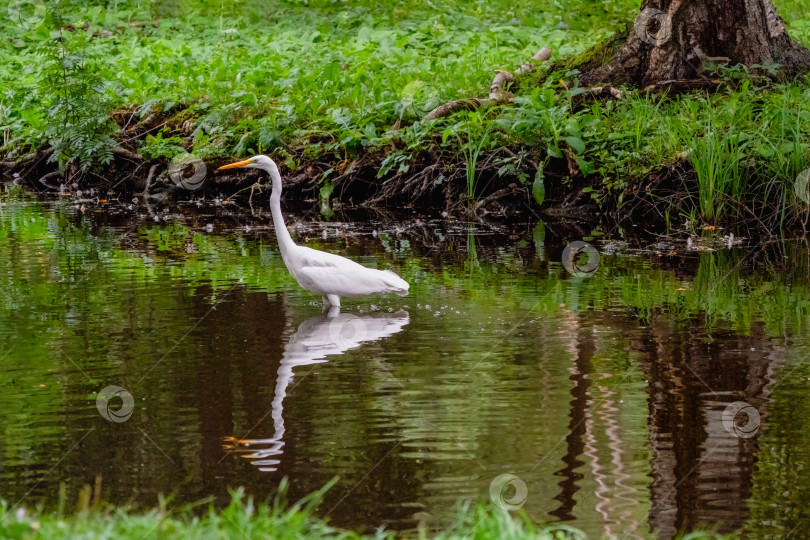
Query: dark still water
(666, 389)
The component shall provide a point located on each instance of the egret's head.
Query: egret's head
(256, 162)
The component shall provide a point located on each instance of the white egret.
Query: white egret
(325, 274)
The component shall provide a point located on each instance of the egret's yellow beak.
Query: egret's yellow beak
(235, 165)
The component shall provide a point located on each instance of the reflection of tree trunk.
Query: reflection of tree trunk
(702, 472)
(618, 501)
(673, 437)
(575, 444)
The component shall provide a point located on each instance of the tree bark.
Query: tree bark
(676, 39)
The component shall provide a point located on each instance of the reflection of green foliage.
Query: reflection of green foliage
(82, 306)
(52, 254)
(781, 472)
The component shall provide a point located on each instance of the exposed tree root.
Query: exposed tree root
(675, 86)
(499, 93)
(452, 107)
(513, 191)
(497, 90)
(26, 159)
(603, 91)
(594, 93)
(539, 57)
(22, 161)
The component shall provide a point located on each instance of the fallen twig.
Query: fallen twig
(127, 154)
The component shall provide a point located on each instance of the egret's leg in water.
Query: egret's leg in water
(334, 300)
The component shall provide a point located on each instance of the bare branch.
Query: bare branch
(127, 154)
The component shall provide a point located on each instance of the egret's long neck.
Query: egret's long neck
(285, 242)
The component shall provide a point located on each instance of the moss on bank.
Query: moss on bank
(592, 57)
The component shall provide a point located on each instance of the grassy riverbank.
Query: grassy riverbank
(244, 519)
(336, 90)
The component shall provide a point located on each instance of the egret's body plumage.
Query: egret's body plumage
(326, 274)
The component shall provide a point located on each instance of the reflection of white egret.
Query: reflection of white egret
(326, 274)
(314, 340)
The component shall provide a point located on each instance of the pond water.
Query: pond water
(665, 390)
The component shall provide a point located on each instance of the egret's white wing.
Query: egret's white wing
(326, 273)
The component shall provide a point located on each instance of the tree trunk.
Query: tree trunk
(675, 39)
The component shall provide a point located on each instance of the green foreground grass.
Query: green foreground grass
(277, 521)
(326, 82)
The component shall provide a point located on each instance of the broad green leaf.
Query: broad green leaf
(575, 143)
(585, 166)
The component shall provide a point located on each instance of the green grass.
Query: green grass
(325, 82)
(278, 521)
(240, 519)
